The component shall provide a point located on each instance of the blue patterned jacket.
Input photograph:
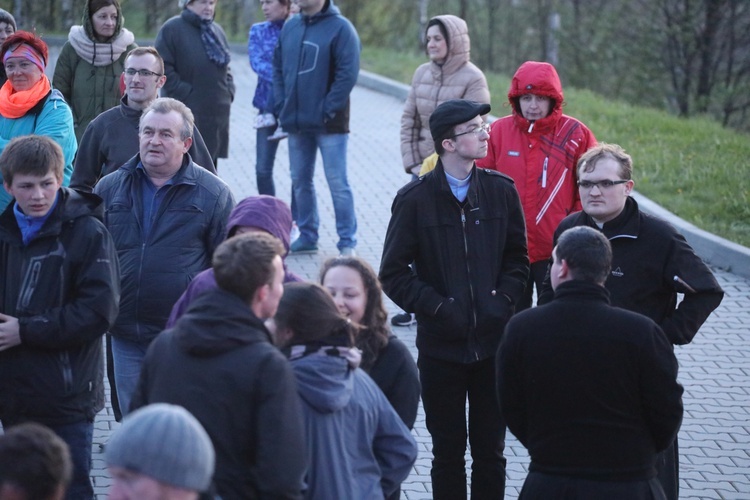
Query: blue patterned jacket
(261, 43)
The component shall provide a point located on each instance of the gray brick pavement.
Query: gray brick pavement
(715, 437)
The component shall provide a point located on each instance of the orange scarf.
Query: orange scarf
(16, 104)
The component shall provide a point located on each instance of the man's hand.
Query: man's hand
(9, 334)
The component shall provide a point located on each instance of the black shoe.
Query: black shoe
(403, 319)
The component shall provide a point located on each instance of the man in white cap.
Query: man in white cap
(160, 452)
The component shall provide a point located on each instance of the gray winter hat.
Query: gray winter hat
(183, 3)
(164, 442)
(7, 17)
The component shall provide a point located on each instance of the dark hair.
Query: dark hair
(29, 39)
(244, 263)
(31, 155)
(35, 460)
(92, 7)
(443, 31)
(449, 134)
(308, 310)
(95, 5)
(374, 333)
(587, 162)
(142, 51)
(587, 252)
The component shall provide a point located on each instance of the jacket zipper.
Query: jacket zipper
(544, 172)
(473, 331)
(67, 372)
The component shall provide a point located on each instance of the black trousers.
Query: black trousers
(540, 486)
(537, 272)
(445, 389)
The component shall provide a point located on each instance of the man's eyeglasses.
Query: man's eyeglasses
(604, 184)
(483, 128)
(141, 72)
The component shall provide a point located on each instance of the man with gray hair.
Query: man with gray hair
(166, 216)
(160, 451)
(589, 389)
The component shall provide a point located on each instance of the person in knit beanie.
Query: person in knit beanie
(160, 451)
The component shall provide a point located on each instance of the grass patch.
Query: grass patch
(695, 168)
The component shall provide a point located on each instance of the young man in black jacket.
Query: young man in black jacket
(589, 389)
(59, 293)
(463, 228)
(219, 362)
(651, 263)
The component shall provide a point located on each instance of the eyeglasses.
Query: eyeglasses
(604, 184)
(141, 72)
(483, 128)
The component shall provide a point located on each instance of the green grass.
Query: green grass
(695, 168)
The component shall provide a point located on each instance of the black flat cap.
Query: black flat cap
(452, 113)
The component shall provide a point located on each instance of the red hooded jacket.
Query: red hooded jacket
(540, 156)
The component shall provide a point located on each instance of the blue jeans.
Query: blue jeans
(302, 150)
(265, 156)
(79, 437)
(128, 356)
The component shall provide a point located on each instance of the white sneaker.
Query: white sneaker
(278, 135)
(294, 234)
(264, 120)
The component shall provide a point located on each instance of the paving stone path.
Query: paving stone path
(715, 368)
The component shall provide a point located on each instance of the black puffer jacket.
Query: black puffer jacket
(472, 259)
(64, 288)
(219, 363)
(185, 231)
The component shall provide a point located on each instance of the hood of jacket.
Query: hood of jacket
(198, 332)
(459, 44)
(88, 26)
(538, 78)
(329, 9)
(264, 212)
(324, 382)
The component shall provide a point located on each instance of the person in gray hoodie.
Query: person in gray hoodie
(357, 446)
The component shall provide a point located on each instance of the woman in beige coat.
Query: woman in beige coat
(448, 75)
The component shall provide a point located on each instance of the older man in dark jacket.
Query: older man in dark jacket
(463, 228)
(166, 216)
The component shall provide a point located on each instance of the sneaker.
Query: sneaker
(294, 234)
(264, 120)
(278, 135)
(347, 252)
(403, 319)
(300, 246)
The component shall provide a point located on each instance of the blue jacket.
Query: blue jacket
(315, 64)
(357, 445)
(52, 118)
(185, 231)
(261, 43)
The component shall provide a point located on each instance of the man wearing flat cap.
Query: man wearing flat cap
(463, 228)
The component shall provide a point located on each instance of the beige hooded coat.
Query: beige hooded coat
(433, 84)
